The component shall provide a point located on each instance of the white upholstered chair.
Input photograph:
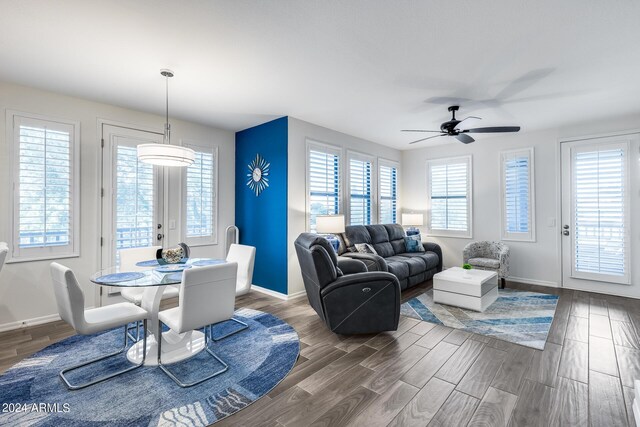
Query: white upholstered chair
(207, 297)
(245, 256)
(128, 259)
(4, 250)
(70, 301)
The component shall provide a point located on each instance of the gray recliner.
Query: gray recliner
(348, 298)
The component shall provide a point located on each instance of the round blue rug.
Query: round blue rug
(258, 358)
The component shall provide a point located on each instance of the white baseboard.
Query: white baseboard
(532, 282)
(278, 295)
(31, 322)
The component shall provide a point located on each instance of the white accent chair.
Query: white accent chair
(207, 297)
(4, 250)
(70, 301)
(128, 259)
(245, 256)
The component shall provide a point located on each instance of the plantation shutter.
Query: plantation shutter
(200, 196)
(360, 191)
(517, 195)
(388, 189)
(324, 183)
(450, 185)
(600, 202)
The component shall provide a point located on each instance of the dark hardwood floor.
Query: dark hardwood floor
(424, 374)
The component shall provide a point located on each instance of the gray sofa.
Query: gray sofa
(348, 298)
(388, 241)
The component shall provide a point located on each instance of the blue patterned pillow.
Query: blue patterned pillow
(413, 244)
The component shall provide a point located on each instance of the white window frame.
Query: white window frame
(201, 240)
(331, 149)
(44, 253)
(392, 164)
(468, 234)
(354, 155)
(529, 236)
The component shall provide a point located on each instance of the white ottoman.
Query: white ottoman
(476, 292)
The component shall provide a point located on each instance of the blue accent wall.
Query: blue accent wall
(262, 219)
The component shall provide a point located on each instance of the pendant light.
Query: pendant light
(166, 154)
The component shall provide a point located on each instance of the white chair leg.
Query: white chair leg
(106, 377)
(171, 375)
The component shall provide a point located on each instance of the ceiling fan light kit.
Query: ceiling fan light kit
(451, 128)
(166, 154)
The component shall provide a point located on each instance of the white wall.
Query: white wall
(299, 133)
(537, 262)
(25, 288)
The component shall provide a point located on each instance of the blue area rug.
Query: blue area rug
(259, 358)
(516, 316)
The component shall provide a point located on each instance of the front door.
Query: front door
(596, 222)
(132, 198)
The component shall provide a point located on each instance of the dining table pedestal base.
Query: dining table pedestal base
(175, 347)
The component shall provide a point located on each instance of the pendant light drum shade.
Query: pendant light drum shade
(166, 155)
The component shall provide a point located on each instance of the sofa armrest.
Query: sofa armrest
(436, 249)
(351, 266)
(373, 262)
(360, 279)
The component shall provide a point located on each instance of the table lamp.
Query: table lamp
(410, 220)
(330, 225)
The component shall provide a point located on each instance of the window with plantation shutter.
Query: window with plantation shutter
(200, 197)
(323, 182)
(517, 195)
(45, 184)
(387, 192)
(360, 191)
(449, 195)
(600, 212)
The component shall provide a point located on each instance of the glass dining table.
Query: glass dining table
(153, 278)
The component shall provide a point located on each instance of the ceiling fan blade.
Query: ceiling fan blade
(420, 130)
(465, 139)
(494, 129)
(429, 137)
(469, 117)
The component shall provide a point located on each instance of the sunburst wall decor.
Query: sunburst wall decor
(258, 175)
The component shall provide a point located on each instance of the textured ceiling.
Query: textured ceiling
(368, 68)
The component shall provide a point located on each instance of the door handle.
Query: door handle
(566, 227)
(565, 233)
(160, 236)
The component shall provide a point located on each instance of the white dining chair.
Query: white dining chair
(128, 259)
(4, 250)
(70, 301)
(207, 297)
(245, 256)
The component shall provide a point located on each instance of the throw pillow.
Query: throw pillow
(413, 244)
(365, 248)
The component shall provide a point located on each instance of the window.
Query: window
(387, 192)
(517, 179)
(323, 169)
(360, 192)
(46, 187)
(200, 197)
(450, 197)
(600, 212)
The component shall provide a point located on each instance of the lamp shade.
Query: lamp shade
(412, 219)
(330, 224)
(166, 154)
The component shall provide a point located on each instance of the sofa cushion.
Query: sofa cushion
(430, 259)
(416, 265)
(485, 263)
(398, 268)
(356, 234)
(380, 240)
(396, 237)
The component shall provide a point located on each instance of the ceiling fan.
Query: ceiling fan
(452, 128)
